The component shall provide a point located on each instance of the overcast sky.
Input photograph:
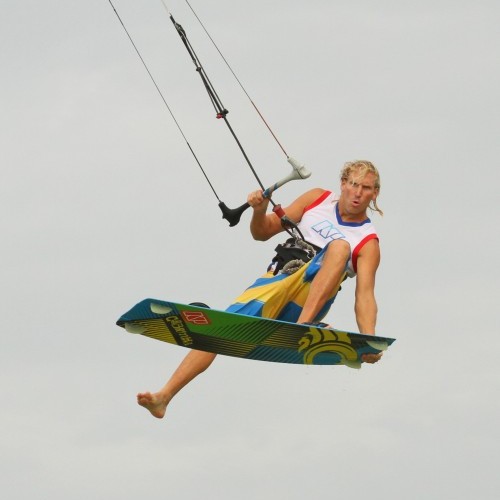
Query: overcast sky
(103, 205)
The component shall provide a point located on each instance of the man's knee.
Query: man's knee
(339, 249)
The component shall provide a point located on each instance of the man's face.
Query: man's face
(358, 193)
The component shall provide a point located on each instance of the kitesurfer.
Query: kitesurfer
(347, 246)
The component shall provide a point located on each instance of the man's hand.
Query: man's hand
(257, 200)
(371, 358)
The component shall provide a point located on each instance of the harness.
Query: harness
(292, 255)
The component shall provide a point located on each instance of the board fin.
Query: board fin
(160, 308)
(380, 346)
(134, 328)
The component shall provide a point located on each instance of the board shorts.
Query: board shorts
(283, 296)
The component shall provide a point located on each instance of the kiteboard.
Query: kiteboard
(248, 337)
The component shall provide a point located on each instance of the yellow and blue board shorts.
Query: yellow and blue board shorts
(282, 296)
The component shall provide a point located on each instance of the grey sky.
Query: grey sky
(103, 206)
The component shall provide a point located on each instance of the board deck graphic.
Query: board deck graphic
(248, 337)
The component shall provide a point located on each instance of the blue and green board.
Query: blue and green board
(248, 337)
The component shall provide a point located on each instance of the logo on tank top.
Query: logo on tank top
(328, 231)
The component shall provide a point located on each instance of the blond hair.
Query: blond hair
(361, 168)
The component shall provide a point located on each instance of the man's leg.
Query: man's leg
(327, 280)
(192, 365)
(322, 288)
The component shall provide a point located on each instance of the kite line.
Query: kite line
(298, 170)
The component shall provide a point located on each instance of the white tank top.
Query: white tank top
(321, 223)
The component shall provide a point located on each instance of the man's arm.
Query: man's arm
(365, 305)
(265, 225)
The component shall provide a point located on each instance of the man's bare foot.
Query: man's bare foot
(156, 403)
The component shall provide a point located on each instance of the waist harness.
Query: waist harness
(292, 255)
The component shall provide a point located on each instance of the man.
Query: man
(348, 246)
